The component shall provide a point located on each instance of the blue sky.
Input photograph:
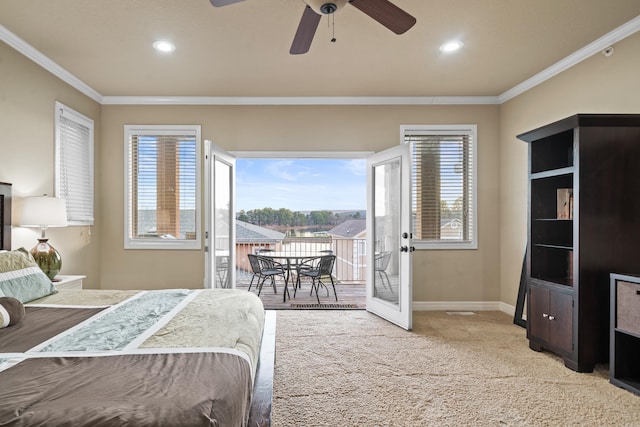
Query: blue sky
(301, 184)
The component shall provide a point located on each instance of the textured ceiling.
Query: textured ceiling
(243, 49)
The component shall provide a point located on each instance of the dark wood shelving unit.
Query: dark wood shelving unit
(595, 160)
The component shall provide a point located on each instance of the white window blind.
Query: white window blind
(444, 186)
(74, 164)
(162, 207)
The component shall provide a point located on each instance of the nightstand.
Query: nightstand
(68, 282)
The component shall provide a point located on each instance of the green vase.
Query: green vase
(47, 258)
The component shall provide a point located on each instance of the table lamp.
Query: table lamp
(45, 212)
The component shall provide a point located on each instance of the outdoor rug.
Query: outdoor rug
(335, 306)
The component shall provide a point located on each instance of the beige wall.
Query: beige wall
(438, 275)
(26, 117)
(598, 85)
(491, 273)
(27, 97)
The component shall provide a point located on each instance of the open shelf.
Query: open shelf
(625, 370)
(552, 263)
(552, 238)
(554, 234)
(552, 152)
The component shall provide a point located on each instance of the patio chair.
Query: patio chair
(312, 263)
(382, 260)
(324, 268)
(222, 270)
(269, 269)
(255, 269)
(306, 264)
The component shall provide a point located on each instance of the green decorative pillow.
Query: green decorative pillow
(11, 311)
(21, 278)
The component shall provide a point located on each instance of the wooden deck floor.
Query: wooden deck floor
(351, 296)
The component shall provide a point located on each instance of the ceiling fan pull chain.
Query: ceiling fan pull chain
(333, 29)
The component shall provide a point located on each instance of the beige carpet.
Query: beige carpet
(350, 368)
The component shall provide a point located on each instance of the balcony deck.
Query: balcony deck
(349, 271)
(351, 296)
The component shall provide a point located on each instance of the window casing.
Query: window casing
(444, 177)
(74, 164)
(162, 187)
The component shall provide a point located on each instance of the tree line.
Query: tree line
(286, 217)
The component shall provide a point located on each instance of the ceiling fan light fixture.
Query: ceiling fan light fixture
(325, 7)
(328, 8)
(164, 46)
(451, 46)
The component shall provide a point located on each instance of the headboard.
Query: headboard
(5, 216)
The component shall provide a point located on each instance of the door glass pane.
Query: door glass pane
(221, 222)
(386, 221)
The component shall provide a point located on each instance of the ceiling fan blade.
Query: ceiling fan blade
(386, 13)
(306, 31)
(219, 3)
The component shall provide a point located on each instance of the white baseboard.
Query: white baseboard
(463, 306)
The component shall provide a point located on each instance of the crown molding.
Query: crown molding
(299, 100)
(39, 58)
(578, 56)
(591, 49)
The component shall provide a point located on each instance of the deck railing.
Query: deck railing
(351, 256)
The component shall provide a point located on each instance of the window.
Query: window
(74, 163)
(162, 187)
(444, 186)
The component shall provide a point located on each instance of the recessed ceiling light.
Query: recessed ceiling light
(451, 46)
(164, 46)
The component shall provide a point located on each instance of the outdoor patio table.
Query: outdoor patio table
(291, 260)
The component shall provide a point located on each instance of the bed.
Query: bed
(176, 357)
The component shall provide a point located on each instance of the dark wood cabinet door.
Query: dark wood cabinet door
(561, 321)
(551, 318)
(539, 310)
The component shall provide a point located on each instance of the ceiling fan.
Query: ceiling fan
(383, 11)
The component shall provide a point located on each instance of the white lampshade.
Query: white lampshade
(43, 211)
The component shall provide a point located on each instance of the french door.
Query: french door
(220, 217)
(389, 248)
(389, 281)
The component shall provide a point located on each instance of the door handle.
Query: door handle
(412, 248)
(404, 249)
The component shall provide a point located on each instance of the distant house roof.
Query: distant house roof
(349, 228)
(451, 223)
(246, 232)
